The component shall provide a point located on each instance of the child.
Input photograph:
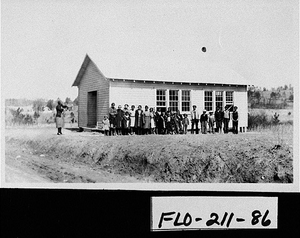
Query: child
(185, 123)
(211, 121)
(105, 123)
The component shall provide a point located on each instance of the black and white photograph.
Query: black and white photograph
(156, 95)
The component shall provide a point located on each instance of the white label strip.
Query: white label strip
(190, 213)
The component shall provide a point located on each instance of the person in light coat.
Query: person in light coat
(195, 116)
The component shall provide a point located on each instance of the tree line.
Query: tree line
(19, 116)
(279, 98)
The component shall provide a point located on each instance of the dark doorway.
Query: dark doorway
(92, 109)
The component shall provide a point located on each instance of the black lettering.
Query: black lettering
(210, 222)
(229, 219)
(176, 223)
(187, 220)
(224, 218)
(265, 222)
(189, 217)
(255, 217)
(164, 218)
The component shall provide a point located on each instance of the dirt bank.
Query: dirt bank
(90, 157)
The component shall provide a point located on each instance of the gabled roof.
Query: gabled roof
(200, 73)
(86, 62)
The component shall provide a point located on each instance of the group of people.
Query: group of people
(125, 121)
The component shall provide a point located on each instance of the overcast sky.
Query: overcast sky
(44, 42)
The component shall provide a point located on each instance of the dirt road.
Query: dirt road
(23, 165)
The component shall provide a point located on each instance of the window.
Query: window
(219, 99)
(161, 99)
(186, 101)
(229, 100)
(173, 100)
(208, 100)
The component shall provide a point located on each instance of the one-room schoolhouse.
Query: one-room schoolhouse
(207, 89)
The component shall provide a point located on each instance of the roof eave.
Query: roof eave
(173, 82)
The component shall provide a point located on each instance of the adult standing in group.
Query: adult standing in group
(119, 120)
(59, 117)
(219, 116)
(132, 119)
(235, 120)
(203, 121)
(139, 120)
(146, 119)
(112, 118)
(152, 120)
(126, 120)
(159, 120)
(226, 118)
(195, 119)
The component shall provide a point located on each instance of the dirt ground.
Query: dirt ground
(24, 164)
(39, 155)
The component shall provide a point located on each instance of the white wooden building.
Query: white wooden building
(216, 87)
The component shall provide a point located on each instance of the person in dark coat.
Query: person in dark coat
(126, 120)
(139, 120)
(178, 122)
(203, 122)
(219, 116)
(112, 119)
(119, 120)
(59, 118)
(159, 121)
(235, 120)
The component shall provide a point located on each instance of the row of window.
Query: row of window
(161, 101)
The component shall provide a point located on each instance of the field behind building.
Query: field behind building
(37, 154)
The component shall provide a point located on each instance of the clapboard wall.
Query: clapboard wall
(144, 93)
(92, 80)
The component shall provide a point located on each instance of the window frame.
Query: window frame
(229, 102)
(220, 100)
(210, 102)
(184, 100)
(171, 101)
(159, 98)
